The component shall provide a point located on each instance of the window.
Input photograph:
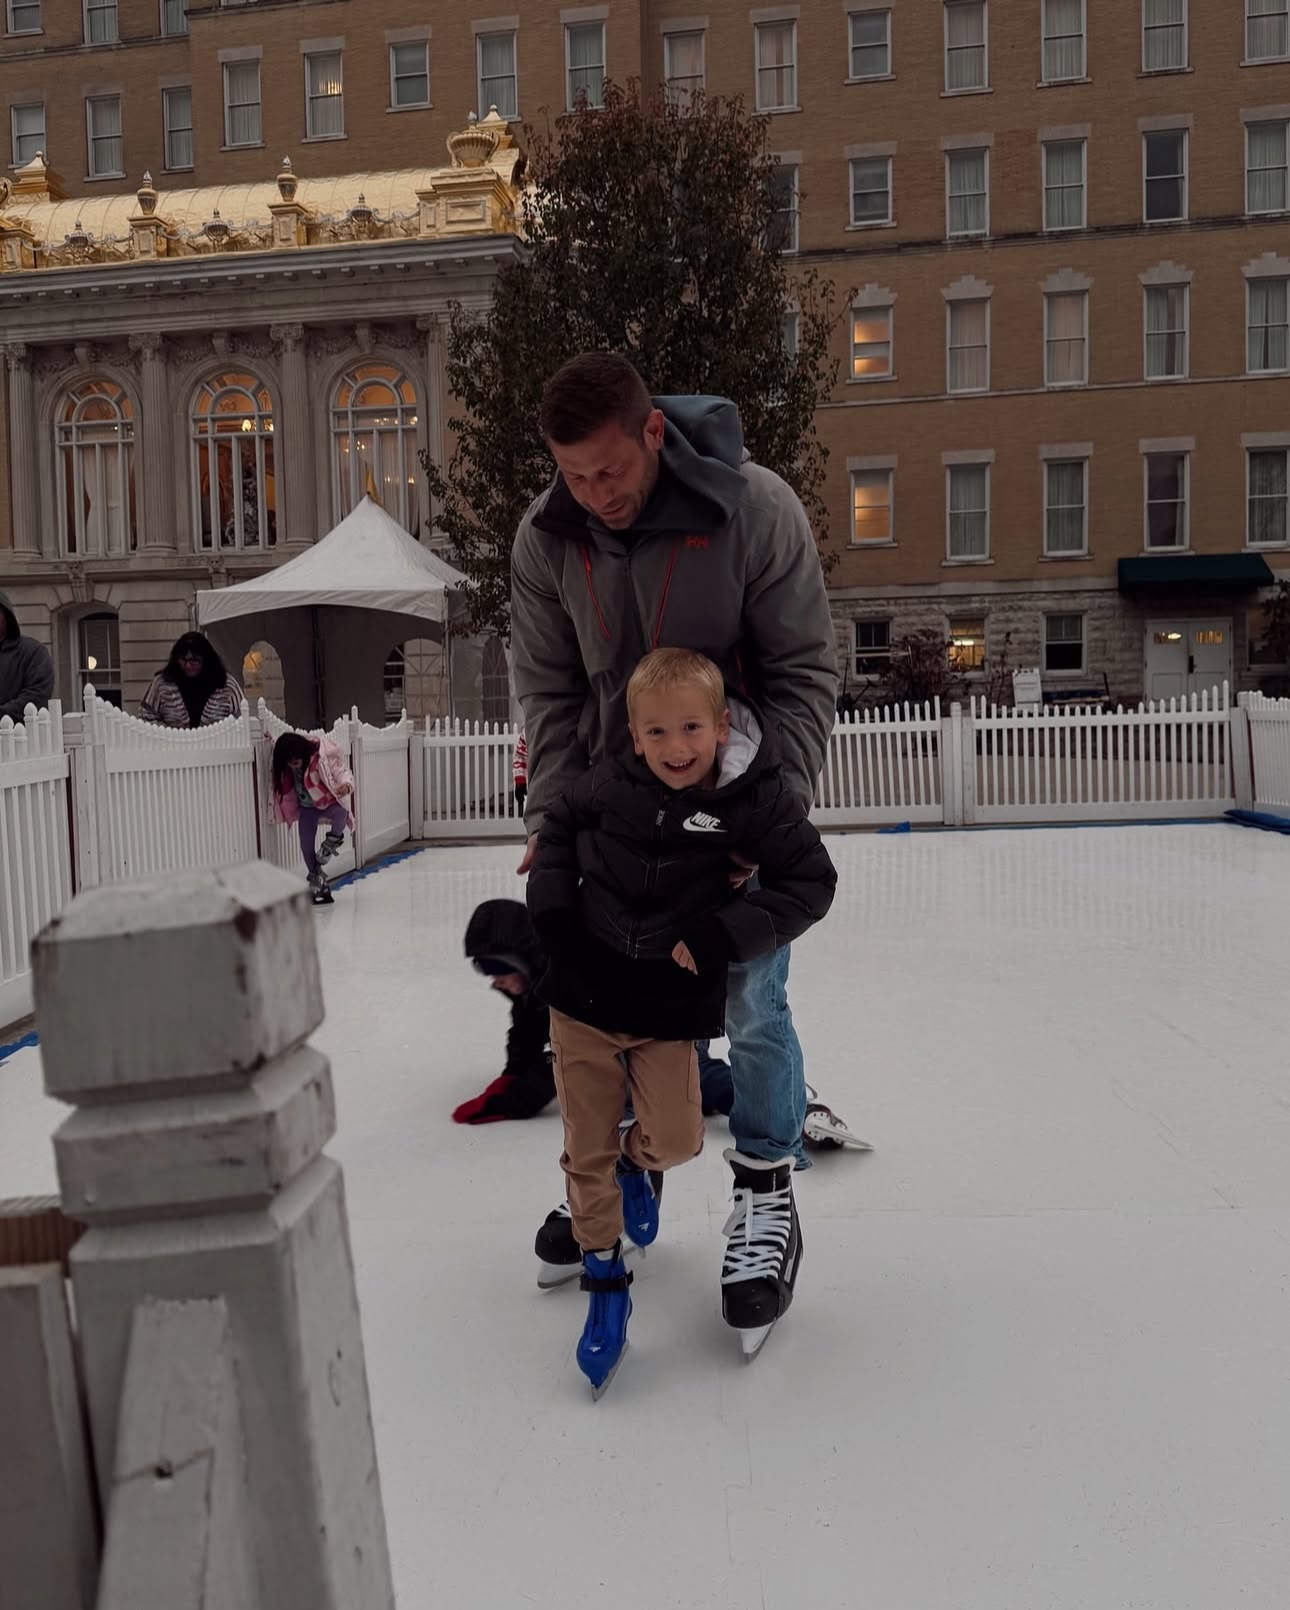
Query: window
(1063, 41)
(242, 103)
(1166, 328)
(968, 368)
(1064, 184)
(98, 643)
(234, 485)
(871, 506)
(103, 136)
(967, 205)
(873, 647)
(1063, 642)
(1266, 189)
(969, 511)
(1267, 327)
(1165, 176)
(870, 44)
(967, 643)
(100, 22)
(1166, 500)
(1268, 499)
(788, 333)
(1267, 30)
(177, 112)
(174, 16)
(410, 73)
(374, 428)
(1065, 507)
(24, 16)
(1066, 338)
(871, 190)
(584, 51)
(871, 343)
(28, 124)
(324, 95)
(776, 66)
(965, 57)
(683, 67)
(497, 80)
(1164, 35)
(94, 436)
(782, 233)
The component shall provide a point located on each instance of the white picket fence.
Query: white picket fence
(1270, 749)
(883, 765)
(382, 784)
(35, 852)
(468, 790)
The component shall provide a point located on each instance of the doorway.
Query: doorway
(1183, 657)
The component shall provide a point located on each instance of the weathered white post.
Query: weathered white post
(214, 1287)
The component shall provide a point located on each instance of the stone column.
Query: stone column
(156, 460)
(220, 1337)
(434, 327)
(293, 458)
(23, 473)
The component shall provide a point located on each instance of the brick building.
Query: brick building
(1063, 418)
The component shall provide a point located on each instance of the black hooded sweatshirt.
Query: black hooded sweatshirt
(501, 929)
(26, 670)
(627, 867)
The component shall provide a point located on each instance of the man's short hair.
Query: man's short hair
(677, 668)
(588, 392)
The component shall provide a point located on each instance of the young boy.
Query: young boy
(630, 894)
(501, 945)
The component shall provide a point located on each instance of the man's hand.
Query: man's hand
(682, 957)
(740, 871)
(530, 855)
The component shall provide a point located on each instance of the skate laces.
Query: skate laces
(759, 1226)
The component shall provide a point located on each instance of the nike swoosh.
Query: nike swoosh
(702, 827)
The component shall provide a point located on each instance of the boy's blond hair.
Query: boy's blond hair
(676, 668)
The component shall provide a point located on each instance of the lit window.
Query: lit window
(234, 482)
(94, 436)
(324, 95)
(1266, 188)
(28, 127)
(1063, 643)
(1066, 338)
(1267, 327)
(410, 73)
(871, 506)
(1166, 475)
(683, 67)
(968, 511)
(873, 647)
(871, 343)
(174, 16)
(98, 640)
(1267, 30)
(776, 66)
(1063, 40)
(968, 368)
(870, 44)
(498, 85)
(584, 46)
(967, 644)
(242, 103)
(100, 22)
(103, 136)
(965, 46)
(782, 233)
(1164, 162)
(1164, 35)
(1267, 501)
(1166, 327)
(871, 190)
(1065, 507)
(374, 431)
(177, 113)
(24, 16)
(1064, 184)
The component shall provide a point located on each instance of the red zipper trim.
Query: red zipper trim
(595, 602)
(662, 603)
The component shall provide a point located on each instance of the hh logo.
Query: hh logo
(696, 542)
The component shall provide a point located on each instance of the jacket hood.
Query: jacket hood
(701, 482)
(10, 619)
(501, 928)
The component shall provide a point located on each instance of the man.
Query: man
(26, 670)
(659, 531)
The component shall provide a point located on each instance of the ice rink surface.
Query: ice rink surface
(1039, 1354)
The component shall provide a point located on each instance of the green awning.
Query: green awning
(1196, 572)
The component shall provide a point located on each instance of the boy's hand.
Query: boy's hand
(682, 957)
(530, 855)
(741, 870)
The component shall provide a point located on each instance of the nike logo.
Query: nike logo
(701, 822)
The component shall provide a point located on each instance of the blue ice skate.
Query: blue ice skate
(604, 1337)
(641, 1192)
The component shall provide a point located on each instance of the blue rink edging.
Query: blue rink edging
(6, 1051)
(1035, 827)
(1269, 822)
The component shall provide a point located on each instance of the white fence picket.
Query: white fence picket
(280, 841)
(35, 846)
(1269, 750)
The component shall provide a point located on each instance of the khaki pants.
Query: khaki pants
(668, 1130)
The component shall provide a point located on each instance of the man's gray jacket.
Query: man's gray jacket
(720, 560)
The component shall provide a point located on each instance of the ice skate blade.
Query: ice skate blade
(598, 1392)
(753, 1339)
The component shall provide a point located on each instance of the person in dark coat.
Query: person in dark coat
(26, 670)
(501, 944)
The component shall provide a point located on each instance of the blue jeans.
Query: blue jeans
(766, 1061)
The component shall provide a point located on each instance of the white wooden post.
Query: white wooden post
(356, 765)
(1242, 754)
(88, 801)
(967, 769)
(417, 782)
(196, 1158)
(952, 766)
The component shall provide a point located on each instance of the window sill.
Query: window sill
(862, 547)
(251, 145)
(871, 380)
(413, 106)
(1165, 72)
(965, 564)
(1163, 223)
(855, 229)
(957, 94)
(322, 139)
(1266, 374)
(777, 111)
(1065, 385)
(1272, 213)
(976, 234)
(103, 178)
(968, 391)
(23, 33)
(1266, 547)
(1064, 558)
(1064, 229)
(1165, 380)
(1265, 61)
(1163, 553)
(1061, 83)
(187, 168)
(871, 78)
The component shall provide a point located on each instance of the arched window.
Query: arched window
(262, 677)
(416, 680)
(234, 487)
(94, 432)
(374, 427)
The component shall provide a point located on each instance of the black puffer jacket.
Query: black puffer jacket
(626, 867)
(501, 929)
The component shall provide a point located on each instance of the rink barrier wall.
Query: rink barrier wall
(35, 845)
(1269, 728)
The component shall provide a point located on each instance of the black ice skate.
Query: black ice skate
(825, 1131)
(559, 1255)
(330, 847)
(320, 889)
(764, 1249)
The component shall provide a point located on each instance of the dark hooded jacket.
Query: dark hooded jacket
(26, 670)
(720, 560)
(627, 867)
(501, 929)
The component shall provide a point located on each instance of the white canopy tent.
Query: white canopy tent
(334, 612)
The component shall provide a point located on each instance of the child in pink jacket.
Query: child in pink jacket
(312, 784)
